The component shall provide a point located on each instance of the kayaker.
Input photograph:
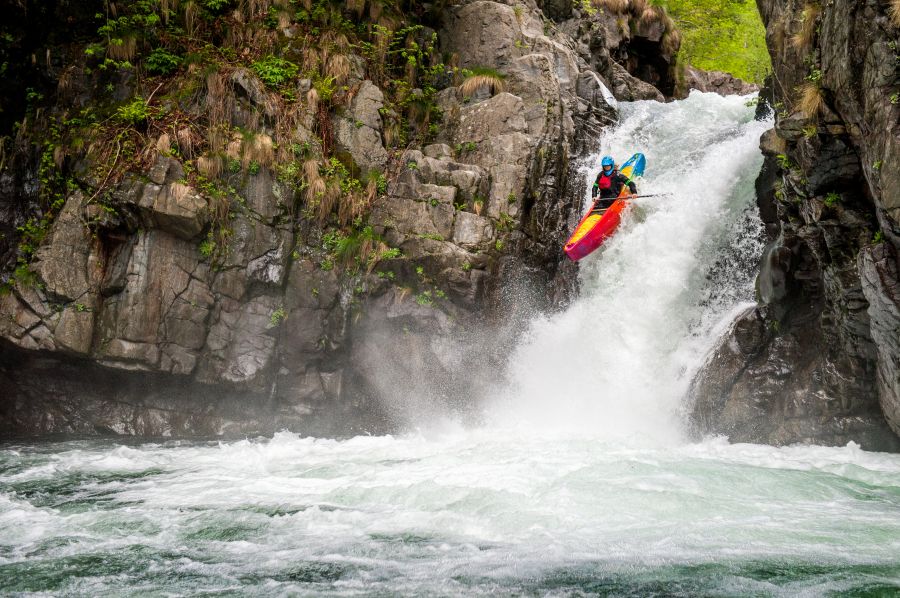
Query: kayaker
(609, 183)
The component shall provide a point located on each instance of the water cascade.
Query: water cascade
(581, 480)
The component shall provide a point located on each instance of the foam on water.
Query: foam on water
(580, 483)
(469, 513)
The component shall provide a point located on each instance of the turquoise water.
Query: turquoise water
(461, 513)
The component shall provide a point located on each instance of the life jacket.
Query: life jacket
(605, 181)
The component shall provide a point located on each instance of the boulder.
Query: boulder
(718, 82)
(358, 130)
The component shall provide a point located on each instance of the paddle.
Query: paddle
(650, 195)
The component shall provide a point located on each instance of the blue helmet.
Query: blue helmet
(607, 161)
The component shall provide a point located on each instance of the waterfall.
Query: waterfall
(618, 361)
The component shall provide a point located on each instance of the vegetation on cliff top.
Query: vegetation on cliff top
(722, 35)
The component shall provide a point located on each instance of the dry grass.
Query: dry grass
(811, 100)
(804, 37)
(191, 16)
(476, 82)
(123, 49)
(894, 13)
(671, 41)
(312, 100)
(59, 155)
(650, 14)
(284, 19)
(233, 149)
(315, 184)
(615, 7)
(217, 98)
(638, 7)
(166, 7)
(258, 149)
(164, 144)
(391, 132)
(356, 6)
(328, 200)
(215, 138)
(375, 10)
(179, 191)
(338, 66)
(372, 260)
(185, 140)
(210, 166)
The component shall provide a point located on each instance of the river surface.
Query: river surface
(582, 480)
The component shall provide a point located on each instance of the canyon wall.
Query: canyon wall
(819, 359)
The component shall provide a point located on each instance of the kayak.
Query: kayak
(596, 227)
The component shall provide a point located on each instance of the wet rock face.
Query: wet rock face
(143, 322)
(826, 367)
(716, 82)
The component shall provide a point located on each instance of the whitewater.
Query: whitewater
(583, 477)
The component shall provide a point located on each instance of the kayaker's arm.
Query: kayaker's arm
(626, 181)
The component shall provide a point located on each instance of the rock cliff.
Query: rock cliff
(819, 359)
(234, 217)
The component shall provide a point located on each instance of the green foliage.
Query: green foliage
(334, 168)
(162, 62)
(876, 165)
(878, 238)
(277, 316)
(425, 299)
(207, 247)
(724, 35)
(832, 199)
(784, 161)
(356, 248)
(216, 6)
(275, 71)
(134, 113)
(325, 87)
(505, 222)
(467, 146)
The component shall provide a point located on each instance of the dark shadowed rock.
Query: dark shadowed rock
(827, 370)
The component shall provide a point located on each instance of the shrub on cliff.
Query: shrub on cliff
(275, 71)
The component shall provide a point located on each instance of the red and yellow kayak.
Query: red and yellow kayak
(596, 227)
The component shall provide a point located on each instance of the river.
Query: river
(582, 479)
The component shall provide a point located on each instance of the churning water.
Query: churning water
(580, 482)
